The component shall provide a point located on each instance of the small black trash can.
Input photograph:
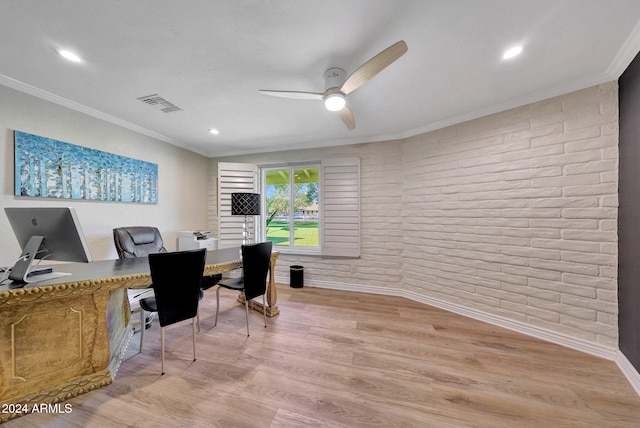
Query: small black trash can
(296, 276)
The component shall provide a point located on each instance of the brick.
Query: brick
(598, 259)
(589, 282)
(561, 266)
(595, 213)
(588, 235)
(568, 202)
(562, 287)
(565, 181)
(576, 135)
(597, 190)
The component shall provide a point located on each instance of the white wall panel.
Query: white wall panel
(182, 187)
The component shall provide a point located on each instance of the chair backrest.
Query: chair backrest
(256, 262)
(137, 241)
(176, 280)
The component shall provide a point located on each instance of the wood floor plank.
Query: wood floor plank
(341, 359)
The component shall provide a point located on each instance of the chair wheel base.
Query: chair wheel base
(148, 320)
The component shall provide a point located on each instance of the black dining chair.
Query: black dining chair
(256, 262)
(132, 242)
(176, 281)
(140, 241)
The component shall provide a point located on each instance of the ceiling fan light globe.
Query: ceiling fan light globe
(334, 102)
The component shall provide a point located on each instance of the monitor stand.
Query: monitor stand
(20, 271)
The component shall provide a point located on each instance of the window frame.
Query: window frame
(291, 248)
(339, 196)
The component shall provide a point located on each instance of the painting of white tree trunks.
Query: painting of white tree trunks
(48, 168)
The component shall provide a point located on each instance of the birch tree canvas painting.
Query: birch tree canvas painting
(48, 168)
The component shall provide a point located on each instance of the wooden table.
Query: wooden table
(67, 336)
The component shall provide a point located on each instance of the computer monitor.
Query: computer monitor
(51, 233)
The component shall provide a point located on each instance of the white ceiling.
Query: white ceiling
(210, 58)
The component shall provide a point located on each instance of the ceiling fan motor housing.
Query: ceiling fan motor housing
(334, 78)
(338, 85)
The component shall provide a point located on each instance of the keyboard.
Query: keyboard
(45, 277)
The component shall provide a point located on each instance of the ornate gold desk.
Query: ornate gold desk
(61, 339)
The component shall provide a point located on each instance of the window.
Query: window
(307, 207)
(292, 208)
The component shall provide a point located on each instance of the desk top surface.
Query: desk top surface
(104, 269)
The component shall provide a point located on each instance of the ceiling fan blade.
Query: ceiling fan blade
(374, 66)
(294, 94)
(347, 118)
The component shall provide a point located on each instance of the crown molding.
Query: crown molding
(72, 105)
(626, 54)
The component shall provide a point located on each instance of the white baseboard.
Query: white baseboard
(581, 345)
(629, 371)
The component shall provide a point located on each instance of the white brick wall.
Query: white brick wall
(381, 223)
(514, 214)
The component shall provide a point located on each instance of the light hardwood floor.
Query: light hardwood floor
(341, 359)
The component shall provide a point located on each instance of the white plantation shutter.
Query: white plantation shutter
(340, 207)
(234, 178)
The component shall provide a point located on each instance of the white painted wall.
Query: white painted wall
(513, 215)
(182, 175)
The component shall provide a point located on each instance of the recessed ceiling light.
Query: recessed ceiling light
(214, 131)
(70, 55)
(513, 52)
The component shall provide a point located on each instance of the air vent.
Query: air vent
(159, 103)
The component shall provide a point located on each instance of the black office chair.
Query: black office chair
(138, 241)
(256, 262)
(176, 285)
(208, 281)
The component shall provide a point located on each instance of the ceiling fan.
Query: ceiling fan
(336, 87)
